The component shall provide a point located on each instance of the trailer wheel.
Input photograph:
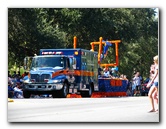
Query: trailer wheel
(26, 94)
(90, 91)
(87, 93)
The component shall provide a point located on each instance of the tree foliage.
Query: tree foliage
(30, 29)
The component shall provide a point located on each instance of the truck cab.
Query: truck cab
(61, 72)
(47, 74)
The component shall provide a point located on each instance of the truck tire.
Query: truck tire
(87, 93)
(26, 94)
(61, 93)
(64, 92)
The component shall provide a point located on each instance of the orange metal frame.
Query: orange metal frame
(101, 43)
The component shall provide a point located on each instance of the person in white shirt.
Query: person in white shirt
(106, 72)
(137, 83)
(18, 93)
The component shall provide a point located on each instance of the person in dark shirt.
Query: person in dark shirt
(99, 71)
(9, 75)
(10, 90)
(14, 75)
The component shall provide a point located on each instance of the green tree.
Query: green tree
(31, 29)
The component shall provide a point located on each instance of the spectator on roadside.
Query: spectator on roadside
(14, 75)
(18, 75)
(153, 92)
(128, 92)
(129, 88)
(23, 75)
(10, 89)
(136, 83)
(9, 80)
(9, 75)
(18, 93)
(147, 80)
(141, 79)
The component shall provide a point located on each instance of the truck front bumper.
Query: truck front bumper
(43, 87)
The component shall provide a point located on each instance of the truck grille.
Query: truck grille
(40, 78)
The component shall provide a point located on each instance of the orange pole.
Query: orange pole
(100, 49)
(75, 42)
(108, 65)
(117, 56)
(112, 41)
(92, 45)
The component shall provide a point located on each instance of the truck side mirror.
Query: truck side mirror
(68, 63)
(74, 63)
(25, 63)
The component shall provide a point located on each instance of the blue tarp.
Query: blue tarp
(105, 86)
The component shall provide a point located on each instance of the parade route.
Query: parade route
(111, 109)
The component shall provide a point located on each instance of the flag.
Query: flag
(107, 45)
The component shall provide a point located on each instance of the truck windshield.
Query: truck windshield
(54, 62)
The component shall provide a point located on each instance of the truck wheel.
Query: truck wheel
(61, 93)
(64, 91)
(26, 94)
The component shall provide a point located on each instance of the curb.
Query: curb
(10, 100)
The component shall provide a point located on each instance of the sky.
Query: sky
(157, 11)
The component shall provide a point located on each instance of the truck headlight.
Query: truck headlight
(57, 81)
(59, 86)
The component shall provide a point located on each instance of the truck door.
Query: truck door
(72, 63)
(71, 75)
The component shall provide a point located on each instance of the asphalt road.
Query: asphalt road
(114, 109)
